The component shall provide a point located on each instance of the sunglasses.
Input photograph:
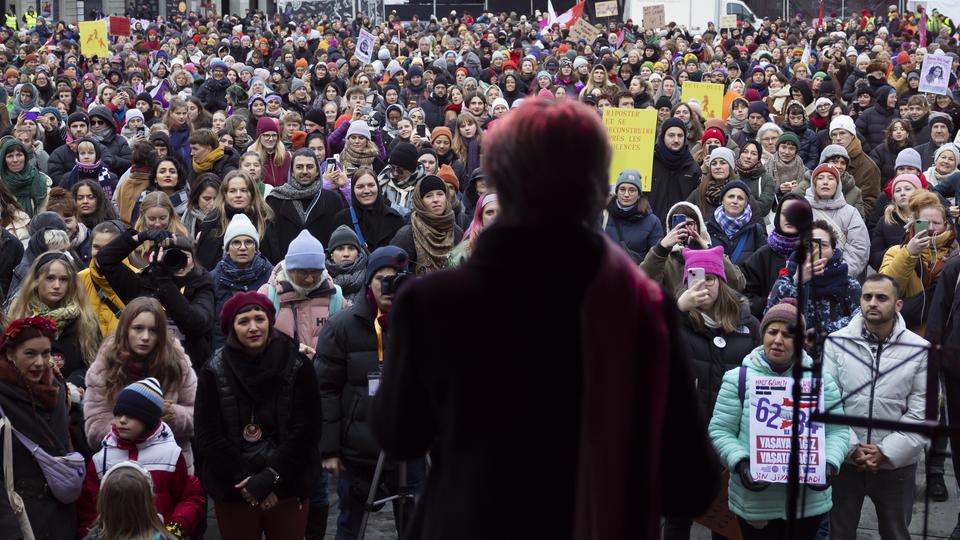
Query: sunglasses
(98, 122)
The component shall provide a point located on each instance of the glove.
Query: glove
(831, 472)
(261, 484)
(743, 469)
(154, 235)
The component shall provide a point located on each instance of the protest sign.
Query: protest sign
(653, 17)
(708, 95)
(632, 134)
(606, 9)
(119, 26)
(93, 38)
(583, 30)
(772, 424)
(935, 74)
(727, 101)
(365, 44)
(728, 21)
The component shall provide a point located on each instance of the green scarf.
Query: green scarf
(28, 186)
(63, 315)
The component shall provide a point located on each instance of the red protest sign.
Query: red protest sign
(119, 26)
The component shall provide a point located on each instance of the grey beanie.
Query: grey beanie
(343, 236)
(630, 176)
(908, 157)
(725, 154)
(834, 150)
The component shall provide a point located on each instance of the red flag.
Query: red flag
(569, 17)
(820, 19)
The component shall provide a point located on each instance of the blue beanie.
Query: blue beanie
(142, 400)
(385, 257)
(305, 252)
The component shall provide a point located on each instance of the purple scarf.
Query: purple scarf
(784, 245)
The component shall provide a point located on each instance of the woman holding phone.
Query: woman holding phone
(930, 242)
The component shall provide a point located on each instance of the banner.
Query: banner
(93, 38)
(708, 95)
(119, 26)
(935, 74)
(654, 17)
(772, 424)
(632, 134)
(365, 45)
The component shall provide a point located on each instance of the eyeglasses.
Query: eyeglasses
(98, 122)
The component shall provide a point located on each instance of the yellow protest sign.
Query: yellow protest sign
(93, 38)
(708, 95)
(632, 134)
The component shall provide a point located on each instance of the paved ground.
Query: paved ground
(942, 518)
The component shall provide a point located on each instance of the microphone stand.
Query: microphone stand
(793, 470)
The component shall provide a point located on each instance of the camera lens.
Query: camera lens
(175, 260)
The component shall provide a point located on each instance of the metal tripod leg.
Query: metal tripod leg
(402, 496)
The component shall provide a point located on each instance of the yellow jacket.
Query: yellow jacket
(901, 266)
(107, 314)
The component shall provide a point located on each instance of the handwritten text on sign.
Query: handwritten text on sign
(771, 425)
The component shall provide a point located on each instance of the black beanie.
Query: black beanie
(404, 155)
(316, 116)
(78, 116)
(431, 183)
(664, 102)
(143, 96)
(671, 123)
(142, 400)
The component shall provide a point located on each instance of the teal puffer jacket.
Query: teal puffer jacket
(730, 429)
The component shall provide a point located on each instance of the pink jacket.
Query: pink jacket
(98, 411)
(301, 317)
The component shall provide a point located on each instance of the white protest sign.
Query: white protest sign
(365, 44)
(606, 9)
(728, 21)
(653, 17)
(772, 424)
(935, 74)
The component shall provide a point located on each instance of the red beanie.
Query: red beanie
(825, 167)
(266, 124)
(713, 133)
(241, 300)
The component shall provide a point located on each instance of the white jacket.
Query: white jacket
(854, 237)
(899, 390)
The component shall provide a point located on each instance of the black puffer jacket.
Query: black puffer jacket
(883, 236)
(885, 156)
(433, 108)
(346, 354)
(191, 311)
(713, 352)
(872, 123)
(760, 272)
(117, 154)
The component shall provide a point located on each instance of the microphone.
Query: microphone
(799, 214)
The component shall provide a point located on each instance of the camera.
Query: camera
(174, 260)
(392, 284)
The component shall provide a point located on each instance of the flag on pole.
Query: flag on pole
(820, 17)
(569, 17)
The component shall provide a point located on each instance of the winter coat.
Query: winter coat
(188, 301)
(753, 233)
(288, 442)
(102, 298)
(302, 317)
(670, 186)
(11, 252)
(730, 432)
(213, 94)
(885, 157)
(826, 312)
(809, 150)
(49, 518)
(851, 193)
(666, 265)
(98, 406)
(901, 266)
(872, 123)
(927, 151)
(883, 236)
(852, 234)
(61, 161)
(433, 108)
(287, 224)
(406, 241)
(709, 361)
(177, 494)
(117, 154)
(899, 394)
(867, 177)
(760, 272)
(763, 193)
(943, 326)
(849, 91)
(641, 231)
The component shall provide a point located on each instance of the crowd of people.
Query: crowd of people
(203, 234)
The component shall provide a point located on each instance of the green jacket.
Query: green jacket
(729, 431)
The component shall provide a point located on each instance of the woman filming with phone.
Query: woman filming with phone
(930, 242)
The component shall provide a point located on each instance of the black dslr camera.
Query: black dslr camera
(392, 284)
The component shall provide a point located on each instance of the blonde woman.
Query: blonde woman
(467, 141)
(157, 213)
(238, 195)
(52, 289)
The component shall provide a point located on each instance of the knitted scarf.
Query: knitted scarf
(93, 170)
(673, 159)
(297, 193)
(349, 275)
(433, 236)
(63, 315)
(931, 262)
(745, 172)
(782, 244)
(233, 278)
(28, 185)
(786, 172)
(473, 154)
(833, 281)
(732, 225)
(361, 158)
(712, 189)
(208, 161)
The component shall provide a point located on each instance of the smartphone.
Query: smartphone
(366, 111)
(711, 148)
(142, 130)
(920, 225)
(676, 220)
(693, 276)
(818, 249)
(330, 165)
(422, 130)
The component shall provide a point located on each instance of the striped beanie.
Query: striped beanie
(142, 400)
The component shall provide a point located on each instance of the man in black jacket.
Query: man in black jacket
(675, 172)
(63, 158)
(348, 361)
(117, 153)
(186, 292)
(433, 107)
(298, 205)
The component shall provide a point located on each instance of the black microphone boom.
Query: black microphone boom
(799, 214)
